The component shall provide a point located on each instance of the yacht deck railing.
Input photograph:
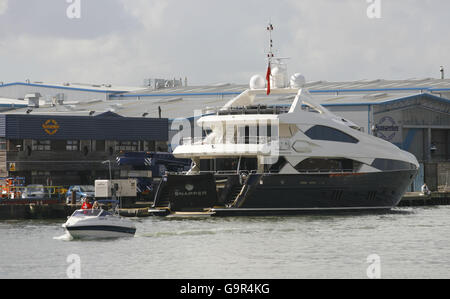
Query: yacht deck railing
(246, 110)
(233, 140)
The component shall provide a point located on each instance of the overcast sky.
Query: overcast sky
(124, 41)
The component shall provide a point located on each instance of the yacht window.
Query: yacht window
(248, 164)
(226, 164)
(309, 109)
(329, 134)
(232, 164)
(279, 165)
(390, 165)
(247, 135)
(327, 165)
(206, 165)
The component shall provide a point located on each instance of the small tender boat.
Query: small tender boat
(98, 223)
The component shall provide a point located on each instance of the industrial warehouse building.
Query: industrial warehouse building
(413, 114)
(63, 150)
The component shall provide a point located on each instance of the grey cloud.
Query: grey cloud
(49, 18)
(3, 6)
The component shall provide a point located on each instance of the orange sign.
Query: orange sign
(51, 127)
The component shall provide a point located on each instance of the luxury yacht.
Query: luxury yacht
(258, 158)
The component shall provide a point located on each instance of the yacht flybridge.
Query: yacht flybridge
(258, 158)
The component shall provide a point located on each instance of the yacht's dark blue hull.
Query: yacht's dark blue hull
(284, 194)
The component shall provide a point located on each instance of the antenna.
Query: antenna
(277, 70)
(270, 55)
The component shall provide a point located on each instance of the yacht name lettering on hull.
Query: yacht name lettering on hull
(193, 193)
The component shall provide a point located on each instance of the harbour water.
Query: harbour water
(411, 243)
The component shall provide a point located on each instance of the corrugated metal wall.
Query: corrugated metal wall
(420, 116)
(2, 125)
(84, 128)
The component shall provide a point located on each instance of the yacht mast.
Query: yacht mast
(270, 55)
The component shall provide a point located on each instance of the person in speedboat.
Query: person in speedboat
(86, 203)
(96, 206)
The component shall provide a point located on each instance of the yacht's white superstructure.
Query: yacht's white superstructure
(307, 130)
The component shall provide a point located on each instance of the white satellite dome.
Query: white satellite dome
(279, 77)
(276, 70)
(298, 81)
(257, 82)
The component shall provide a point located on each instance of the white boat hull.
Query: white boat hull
(85, 225)
(99, 232)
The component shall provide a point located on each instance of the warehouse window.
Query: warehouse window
(40, 173)
(2, 144)
(100, 145)
(149, 146)
(129, 146)
(329, 134)
(42, 145)
(72, 145)
(161, 146)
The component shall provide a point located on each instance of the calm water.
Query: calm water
(412, 243)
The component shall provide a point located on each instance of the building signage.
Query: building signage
(387, 128)
(51, 127)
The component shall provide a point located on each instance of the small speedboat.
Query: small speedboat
(98, 223)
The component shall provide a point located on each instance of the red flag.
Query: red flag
(269, 72)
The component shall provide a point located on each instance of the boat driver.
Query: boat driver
(86, 203)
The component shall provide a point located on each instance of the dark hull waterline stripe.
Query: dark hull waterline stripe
(118, 229)
(294, 211)
(299, 209)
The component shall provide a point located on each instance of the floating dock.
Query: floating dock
(36, 211)
(416, 199)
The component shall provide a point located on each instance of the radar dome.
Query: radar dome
(257, 82)
(276, 70)
(298, 81)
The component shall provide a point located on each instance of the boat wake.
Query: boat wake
(65, 237)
